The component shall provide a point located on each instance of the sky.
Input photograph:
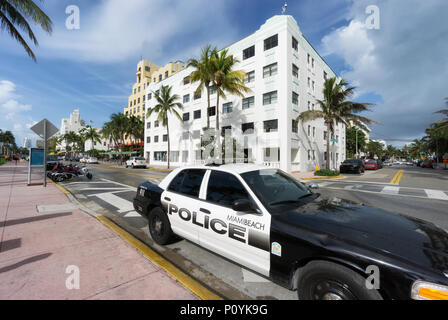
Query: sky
(401, 66)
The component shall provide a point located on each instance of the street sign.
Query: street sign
(333, 140)
(39, 129)
(44, 129)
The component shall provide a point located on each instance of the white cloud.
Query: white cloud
(404, 61)
(116, 30)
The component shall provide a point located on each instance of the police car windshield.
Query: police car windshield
(274, 188)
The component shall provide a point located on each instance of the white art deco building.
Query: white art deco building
(285, 75)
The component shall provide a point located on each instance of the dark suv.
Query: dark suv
(352, 165)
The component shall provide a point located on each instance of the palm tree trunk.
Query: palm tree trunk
(217, 134)
(208, 106)
(327, 165)
(168, 135)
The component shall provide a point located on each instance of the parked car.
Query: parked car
(371, 165)
(379, 164)
(352, 165)
(136, 162)
(83, 160)
(427, 164)
(321, 246)
(387, 163)
(92, 160)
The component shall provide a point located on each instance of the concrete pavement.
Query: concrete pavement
(48, 246)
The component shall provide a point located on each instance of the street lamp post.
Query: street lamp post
(357, 157)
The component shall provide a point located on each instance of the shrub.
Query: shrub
(327, 173)
(2, 160)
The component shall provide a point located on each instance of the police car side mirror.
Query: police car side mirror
(243, 205)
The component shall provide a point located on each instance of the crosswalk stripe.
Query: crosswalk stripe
(390, 190)
(436, 194)
(121, 204)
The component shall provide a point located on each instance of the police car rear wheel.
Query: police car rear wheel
(159, 227)
(322, 280)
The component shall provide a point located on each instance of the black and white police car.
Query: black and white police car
(323, 247)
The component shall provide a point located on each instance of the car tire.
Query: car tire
(132, 166)
(323, 280)
(159, 226)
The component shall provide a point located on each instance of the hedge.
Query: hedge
(328, 173)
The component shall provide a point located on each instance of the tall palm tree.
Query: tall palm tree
(444, 121)
(70, 138)
(226, 79)
(336, 109)
(203, 73)
(91, 134)
(14, 15)
(166, 104)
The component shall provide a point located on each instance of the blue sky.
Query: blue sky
(402, 67)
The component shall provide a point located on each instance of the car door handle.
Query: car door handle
(167, 199)
(204, 210)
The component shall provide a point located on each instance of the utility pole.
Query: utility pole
(357, 157)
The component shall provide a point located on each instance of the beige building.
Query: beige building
(147, 73)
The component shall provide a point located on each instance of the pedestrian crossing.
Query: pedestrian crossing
(386, 189)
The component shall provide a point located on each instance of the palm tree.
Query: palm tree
(91, 134)
(225, 79)
(203, 73)
(166, 104)
(70, 138)
(14, 14)
(336, 109)
(444, 121)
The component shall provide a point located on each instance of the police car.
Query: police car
(323, 247)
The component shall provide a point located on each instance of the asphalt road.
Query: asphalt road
(412, 191)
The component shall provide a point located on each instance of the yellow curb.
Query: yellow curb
(129, 173)
(188, 282)
(323, 178)
(160, 169)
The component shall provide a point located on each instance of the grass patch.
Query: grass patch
(326, 173)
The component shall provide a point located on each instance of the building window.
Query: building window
(186, 116)
(227, 107)
(160, 77)
(165, 138)
(250, 77)
(226, 130)
(325, 75)
(197, 114)
(156, 139)
(166, 74)
(312, 63)
(309, 130)
(186, 98)
(295, 126)
(196, 134)
(144, 98)
(212, 111)
(135, 91)
(248, 53)
(148, 125)
(248, 128)
(138, 100)
(248, 103)
(156, 124)
(295, 44)
(127, 112)
(308, 59)
(314, 155)
(138, 89)
(312, 85)
(186, 80)
(325, 155)
(309, 105)
(270, 70)
(130, 104)
(270, 98)
(160, 156)
(148, 139)
(147, 68)
(185, 135)
(295, 71)
(212, 90)
(149, 96)
(314, 132)
(270, 42)
(270, 125)
(197, 95)
(138, 109)
(325, 135)
(154, 80)
(295, 98)
(135, 102)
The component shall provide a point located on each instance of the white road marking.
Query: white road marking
(324, 184)
(105, 189)
(436, 194)
(348, 187)
(121, 204)
(56, 207)
(132, 214)
(249, 276)
(390, 190)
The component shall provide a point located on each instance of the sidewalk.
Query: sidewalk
(42, 233)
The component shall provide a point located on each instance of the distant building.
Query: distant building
(26, 143)
(366, 132)
(74, 123)
(103, 145)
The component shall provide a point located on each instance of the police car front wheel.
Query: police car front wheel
(159, 226)
(322, 280)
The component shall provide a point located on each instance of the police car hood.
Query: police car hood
(410, 239)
